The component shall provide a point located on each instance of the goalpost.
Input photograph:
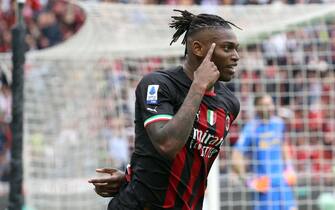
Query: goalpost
(73, 91)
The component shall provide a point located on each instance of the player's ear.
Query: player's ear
(197, 48)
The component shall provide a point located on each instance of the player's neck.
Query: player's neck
(189, 68)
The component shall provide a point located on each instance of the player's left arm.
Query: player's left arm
(289, 172)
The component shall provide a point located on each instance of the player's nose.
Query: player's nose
(235, 57)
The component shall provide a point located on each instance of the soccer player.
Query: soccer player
(263, 139)
(182, 116)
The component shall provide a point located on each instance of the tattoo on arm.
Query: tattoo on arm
(170, 137)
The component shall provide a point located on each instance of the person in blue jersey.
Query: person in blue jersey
(182, 116)
(262, 142)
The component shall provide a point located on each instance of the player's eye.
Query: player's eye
(226, 48)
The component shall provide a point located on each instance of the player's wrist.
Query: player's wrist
(199, 87)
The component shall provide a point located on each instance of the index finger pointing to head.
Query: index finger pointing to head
(210, 51)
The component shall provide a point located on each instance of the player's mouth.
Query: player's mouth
(230, 69)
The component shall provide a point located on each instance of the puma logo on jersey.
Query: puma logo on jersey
(152, 109)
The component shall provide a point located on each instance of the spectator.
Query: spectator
(50, 30)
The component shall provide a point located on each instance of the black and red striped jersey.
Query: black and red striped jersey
(160, 183)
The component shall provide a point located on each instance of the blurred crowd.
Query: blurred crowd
(47, 22)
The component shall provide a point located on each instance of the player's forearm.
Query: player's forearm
(238, 163)
(170, 138)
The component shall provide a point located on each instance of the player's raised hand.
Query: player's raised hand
(108, 186)
(207, 73)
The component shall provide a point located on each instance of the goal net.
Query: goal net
(79, 97)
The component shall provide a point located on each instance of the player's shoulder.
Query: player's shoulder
(229, 96)
(160, 76)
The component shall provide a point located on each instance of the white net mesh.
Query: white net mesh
(79, 96)
(71, 130)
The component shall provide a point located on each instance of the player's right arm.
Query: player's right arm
(242, 146)
(169, 137)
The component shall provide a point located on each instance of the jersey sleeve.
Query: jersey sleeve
(244, 141)
(155, 98)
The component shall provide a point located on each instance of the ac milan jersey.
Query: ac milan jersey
(160, 183)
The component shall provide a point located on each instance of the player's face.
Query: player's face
(225, 55)
(265, 107)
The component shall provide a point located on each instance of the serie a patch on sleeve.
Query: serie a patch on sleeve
(152, 94)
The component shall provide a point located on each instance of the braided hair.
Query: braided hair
(189, 23)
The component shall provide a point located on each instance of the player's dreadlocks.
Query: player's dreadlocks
(190, 23)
